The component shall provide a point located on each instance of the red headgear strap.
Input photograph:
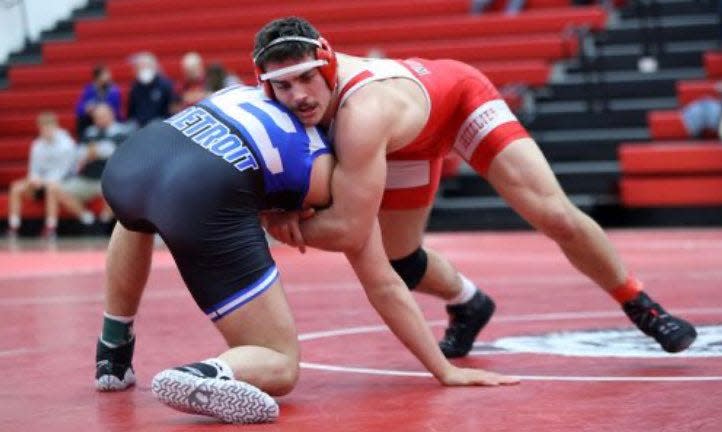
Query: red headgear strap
(323, 52)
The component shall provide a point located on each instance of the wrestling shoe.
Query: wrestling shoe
(672, 333)
(113, 368)
(465, 322)
(197, 389)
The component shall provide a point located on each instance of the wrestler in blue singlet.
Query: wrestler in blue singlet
(200, 178)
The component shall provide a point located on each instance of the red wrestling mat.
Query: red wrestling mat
(583, 367)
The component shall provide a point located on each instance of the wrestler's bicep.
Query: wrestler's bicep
(359, 178)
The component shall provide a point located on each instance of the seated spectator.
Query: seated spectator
(96, 146)
(101, 89)
(512, 7)
(217, 77)
(151, 94)
(52, 157)
(192, 87)
(704, 116)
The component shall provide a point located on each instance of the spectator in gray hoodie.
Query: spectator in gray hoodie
(52, 159)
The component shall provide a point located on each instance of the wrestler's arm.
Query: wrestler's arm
(284, 225)
(389, 296)
(357, 183)
(319, 186)
(350, 224)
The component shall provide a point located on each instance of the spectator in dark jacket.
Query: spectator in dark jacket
(100, 90)
(152, 93)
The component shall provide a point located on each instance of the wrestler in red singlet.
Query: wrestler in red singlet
(465, 113)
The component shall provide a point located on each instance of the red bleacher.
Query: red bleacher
(666, 124)
(713, 64)
(672, 191)
(549, 46)
(509, 49)
(688, 91)
(671, 174)
(338, 20)
(23, 124)
(675, 173)
(14, 149)
(288, 7)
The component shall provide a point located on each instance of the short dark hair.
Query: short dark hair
(289, 26)
(98, 69)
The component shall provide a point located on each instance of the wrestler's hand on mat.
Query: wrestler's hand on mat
(284, 226)
(457, 376)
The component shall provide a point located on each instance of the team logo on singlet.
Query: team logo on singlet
(417, 67)
(603, 343)
(481, 123)
(206, 131)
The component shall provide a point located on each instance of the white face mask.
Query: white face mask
(146, 75)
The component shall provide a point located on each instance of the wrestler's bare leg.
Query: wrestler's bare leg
(522, 176)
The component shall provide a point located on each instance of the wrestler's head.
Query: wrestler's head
(297, 67)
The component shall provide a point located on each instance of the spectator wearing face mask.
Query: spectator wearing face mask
(100, 90)
(152, 93)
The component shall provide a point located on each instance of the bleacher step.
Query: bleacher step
(598, 144)
(596, 177)
(478, 216)
(564, 107)
(611, 62)
(487, 213)
(688, 28)
(624, 84)
(93, 9)
(583, 115)
(669, 8)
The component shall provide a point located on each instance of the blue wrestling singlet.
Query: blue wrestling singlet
(200, 178)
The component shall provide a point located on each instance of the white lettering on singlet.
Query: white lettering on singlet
(228, 102)
(479, 124)
(205, 130)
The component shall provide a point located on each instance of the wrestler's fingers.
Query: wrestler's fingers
(297, 237)
(286, 233)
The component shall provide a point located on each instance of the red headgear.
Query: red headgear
(324, 53)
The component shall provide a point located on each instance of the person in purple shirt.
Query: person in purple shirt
(100, 90)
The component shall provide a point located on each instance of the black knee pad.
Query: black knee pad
(411, 268)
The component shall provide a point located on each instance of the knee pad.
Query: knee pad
(411, 268)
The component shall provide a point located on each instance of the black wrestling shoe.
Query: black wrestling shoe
(465, 322)
(672, 333)
(113, 369)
